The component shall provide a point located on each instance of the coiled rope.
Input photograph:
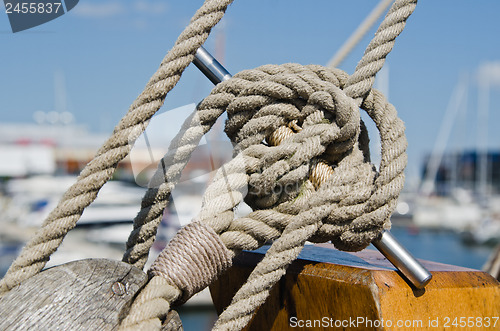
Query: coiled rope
(301, 162)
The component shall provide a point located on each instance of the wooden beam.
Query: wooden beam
(333, 289)
(93, 294)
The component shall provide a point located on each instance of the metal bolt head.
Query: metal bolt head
(119, 288)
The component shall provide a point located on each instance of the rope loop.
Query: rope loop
(301, 135)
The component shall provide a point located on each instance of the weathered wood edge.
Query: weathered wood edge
(86, 294)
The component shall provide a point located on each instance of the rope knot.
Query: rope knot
(306, 148)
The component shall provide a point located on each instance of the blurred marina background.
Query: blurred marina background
(65, 84)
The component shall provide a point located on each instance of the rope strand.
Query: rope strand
(63, 218)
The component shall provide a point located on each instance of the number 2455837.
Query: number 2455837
(33, 7)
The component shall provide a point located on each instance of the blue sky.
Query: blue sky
(106, 50)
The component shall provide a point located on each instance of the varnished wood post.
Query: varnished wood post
(326, 288)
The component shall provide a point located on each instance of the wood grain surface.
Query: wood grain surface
(326, 286)
(93, 294)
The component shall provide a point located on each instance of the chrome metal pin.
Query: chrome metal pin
(210, 67)
(410, 267)
(413, 270)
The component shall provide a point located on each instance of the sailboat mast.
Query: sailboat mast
(482, 135)
(457, 98)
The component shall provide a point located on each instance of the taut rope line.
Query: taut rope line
(97, 172)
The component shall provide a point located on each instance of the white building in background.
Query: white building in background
(34, 149)
(23, 160)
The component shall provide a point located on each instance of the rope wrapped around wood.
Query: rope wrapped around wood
(308, 171)
(195, 257)
(302, 163)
